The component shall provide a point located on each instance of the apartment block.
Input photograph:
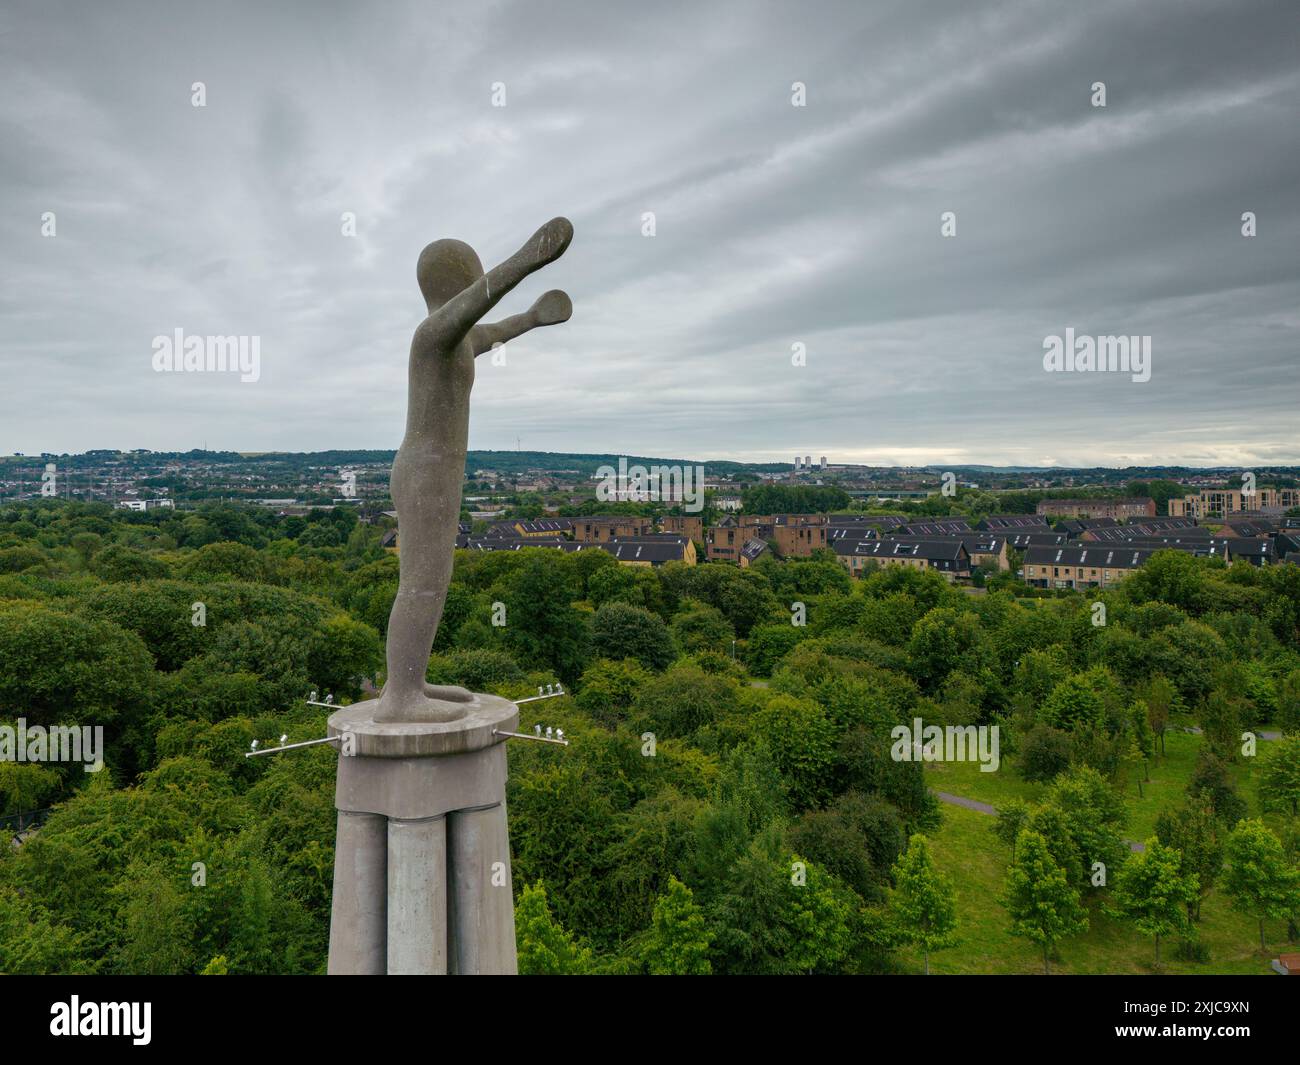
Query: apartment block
(601, 529)
(688, 525)
(1119, 509)
(1222, 502)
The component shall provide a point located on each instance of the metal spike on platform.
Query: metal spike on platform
(551, 692)
(528, 736)
(289, 746)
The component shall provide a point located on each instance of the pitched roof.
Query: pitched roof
(641, 549)
(1021, 540)
(1261, 548)
(951, 550)
(935, 527)
(555, 525)
(1007, 522)
(1101, 556)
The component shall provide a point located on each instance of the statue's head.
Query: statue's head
(445, 269)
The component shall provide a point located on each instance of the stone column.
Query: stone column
(422, 867)
(482, 905)
(417, 897)
(358, 919)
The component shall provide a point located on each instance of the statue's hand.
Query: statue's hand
(548, 243)
(552, 308)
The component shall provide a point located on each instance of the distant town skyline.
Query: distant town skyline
(798, 294)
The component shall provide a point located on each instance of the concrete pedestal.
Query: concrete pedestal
(422, 866)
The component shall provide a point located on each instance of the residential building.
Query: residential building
(1081, 567)
(1223, 502)
(984, 549)
(603, 528)
(1119, 509)
(689, 525)
(544, 528)
(948, 557)
(751, 552)
(799, 540)
(651, 550)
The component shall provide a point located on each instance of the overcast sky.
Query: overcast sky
(775, 225)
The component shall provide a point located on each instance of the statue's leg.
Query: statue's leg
(427, 524)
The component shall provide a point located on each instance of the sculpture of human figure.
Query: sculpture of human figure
(429, 470)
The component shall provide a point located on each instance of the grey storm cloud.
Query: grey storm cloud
(775, 225)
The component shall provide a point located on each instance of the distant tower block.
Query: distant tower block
(824, 462)
(808, 463)
(797, 460)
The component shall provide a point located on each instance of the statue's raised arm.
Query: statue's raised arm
(430, 466)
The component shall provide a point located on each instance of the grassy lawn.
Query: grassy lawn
(1169, 777)
(975, 862)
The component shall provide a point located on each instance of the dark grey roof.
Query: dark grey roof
(938, 526)
(952, 550)
(643, 550)
(1245, 546)
(555, 525)
(1008, 522)
(1099, 556)
(1021, 540)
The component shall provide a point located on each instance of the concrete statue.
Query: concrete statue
(429, 470)
(422, 858)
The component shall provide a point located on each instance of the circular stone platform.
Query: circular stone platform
(425, 739)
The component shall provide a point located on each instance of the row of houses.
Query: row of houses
(1081, 550)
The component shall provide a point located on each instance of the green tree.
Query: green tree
(609, 689)
(1012, 817)
(1153, 891)
(1043, 904)
(1257, 876)
(802, 741)
(542, 626)
(1288, 701)
(1279, 779)
(1193, 832)
(781, 918)
(1044, 753)
(700, 627)
(545, 948)
(1212, 784)
(620, 630)
(679, 938)
(923, 905)
(1073, 703)
(1160, 698)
